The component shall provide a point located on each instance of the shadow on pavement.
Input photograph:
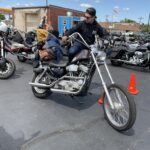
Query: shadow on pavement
(18, 73)
(130, 132)
(78, 102)
(134, 68)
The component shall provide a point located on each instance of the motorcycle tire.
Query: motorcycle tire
(123, 116)
(21, 58)
(39, 92)
(116, 63)
(9, 69)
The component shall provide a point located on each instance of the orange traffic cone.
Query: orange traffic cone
(101, 100)
(132, 85)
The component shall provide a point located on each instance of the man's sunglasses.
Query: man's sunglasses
(87, 17)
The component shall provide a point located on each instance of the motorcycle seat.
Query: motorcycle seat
(63, 63)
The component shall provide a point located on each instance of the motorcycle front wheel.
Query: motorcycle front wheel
(123, 116)
(8, 69)
(40, 92)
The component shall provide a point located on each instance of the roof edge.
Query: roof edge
(32, 7)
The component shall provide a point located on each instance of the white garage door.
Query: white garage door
(32, 21)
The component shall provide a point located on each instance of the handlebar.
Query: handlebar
(97, 38)
(76, 33)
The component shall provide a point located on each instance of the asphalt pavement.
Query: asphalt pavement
(62, 123)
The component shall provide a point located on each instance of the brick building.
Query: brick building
(134, 27)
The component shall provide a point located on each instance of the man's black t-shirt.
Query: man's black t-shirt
(86, 30)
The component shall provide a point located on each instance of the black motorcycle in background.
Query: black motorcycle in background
(134, 52)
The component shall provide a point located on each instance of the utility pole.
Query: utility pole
(107, 20)
(46, 2)
(141, 18)
(148, 23)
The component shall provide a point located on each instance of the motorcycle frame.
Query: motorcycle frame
(98, 68)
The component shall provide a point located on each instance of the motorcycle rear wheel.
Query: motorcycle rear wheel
(39, 92)
(116, 63)
(123, 116)
(9, 69)
(21, 58)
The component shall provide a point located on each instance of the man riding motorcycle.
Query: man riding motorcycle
(86, 28)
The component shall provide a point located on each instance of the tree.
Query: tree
(2, 17)
(145, 28)
(127, 21)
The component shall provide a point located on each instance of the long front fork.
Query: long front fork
(102, 79)
(2, 49)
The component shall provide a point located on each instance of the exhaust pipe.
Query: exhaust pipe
(125, 61)
(39, 85)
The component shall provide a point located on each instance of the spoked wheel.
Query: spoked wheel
(8, 69)
(123, 116)
(40, 92)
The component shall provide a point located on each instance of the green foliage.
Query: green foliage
(145, 28)
(127, 21)
(2, 17)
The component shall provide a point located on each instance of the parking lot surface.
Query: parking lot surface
(62, 123)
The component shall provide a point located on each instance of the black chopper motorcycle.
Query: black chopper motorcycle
(74, 79)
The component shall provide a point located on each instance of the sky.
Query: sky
(112, 10)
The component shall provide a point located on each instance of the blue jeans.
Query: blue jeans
(75, 49)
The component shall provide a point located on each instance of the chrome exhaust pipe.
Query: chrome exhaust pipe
(40, 85)
(63, 91)
(125, 61)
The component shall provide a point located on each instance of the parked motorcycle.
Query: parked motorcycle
(74, 79)
(18, 42)
(7, 66)
(131, 54)
(21, 44)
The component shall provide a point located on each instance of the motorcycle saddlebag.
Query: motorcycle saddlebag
(112, 53)
(116, 52)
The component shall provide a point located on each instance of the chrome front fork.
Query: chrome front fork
(102, 79)
(2, 49)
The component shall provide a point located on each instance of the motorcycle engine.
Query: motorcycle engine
(70, 85)
(139, 54)
(137, 58)
(74, 71)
